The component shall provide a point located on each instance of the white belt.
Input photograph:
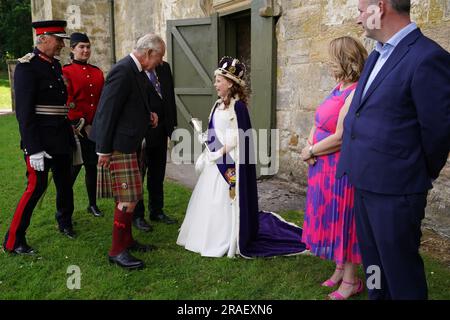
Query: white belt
(52, 110)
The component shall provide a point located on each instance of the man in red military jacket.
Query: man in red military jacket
(84, 85)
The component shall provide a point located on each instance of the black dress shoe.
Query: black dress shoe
(139, 247)
(126, 261)
(142, 225)
(24, 249)
(68, 232)
(95, 211)
(161, 217)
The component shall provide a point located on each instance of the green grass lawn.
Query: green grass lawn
(171, 272)
(5, 91)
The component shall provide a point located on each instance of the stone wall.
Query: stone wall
(433, 18)
(90, 17)
(303, 32)
(137, 17)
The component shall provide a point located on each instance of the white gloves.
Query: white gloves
(37, 160)
(202, 137)
(200, 163)
(207, 158)
(213, 156)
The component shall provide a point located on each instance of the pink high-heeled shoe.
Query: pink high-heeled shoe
(336, 295)
(330, 283)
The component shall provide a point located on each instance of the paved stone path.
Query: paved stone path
(5, 111)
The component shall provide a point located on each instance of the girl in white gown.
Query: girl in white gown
(207, 227)
(222, 217)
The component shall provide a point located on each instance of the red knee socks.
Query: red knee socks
(122, 237)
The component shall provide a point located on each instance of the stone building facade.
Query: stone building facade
(303, 30)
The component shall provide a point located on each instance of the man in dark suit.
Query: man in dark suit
(396, 141)
(162, 100)
(122, 118)
(46, 135)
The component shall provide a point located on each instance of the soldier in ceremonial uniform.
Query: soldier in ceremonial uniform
(47, 138)
(84, 86)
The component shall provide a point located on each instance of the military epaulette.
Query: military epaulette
(27, 58)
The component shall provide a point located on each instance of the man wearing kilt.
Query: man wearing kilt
(119, 126)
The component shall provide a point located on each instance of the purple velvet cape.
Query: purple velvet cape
(261, 234)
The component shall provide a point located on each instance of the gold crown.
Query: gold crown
(231, 68)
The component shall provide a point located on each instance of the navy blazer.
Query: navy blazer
(397, 137)
(165, 108)
(170, 109)
(123, 112)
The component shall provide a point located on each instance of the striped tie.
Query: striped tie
(154, 80)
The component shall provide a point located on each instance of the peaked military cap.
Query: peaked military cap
(78, 37)
(51, 27)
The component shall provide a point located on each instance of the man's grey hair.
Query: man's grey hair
(150, 41)
(401, 6)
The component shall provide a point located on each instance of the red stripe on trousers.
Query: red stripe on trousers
(32, 179)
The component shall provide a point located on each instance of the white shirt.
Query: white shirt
(136, 61)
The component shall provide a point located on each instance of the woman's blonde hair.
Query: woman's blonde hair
(348, 56)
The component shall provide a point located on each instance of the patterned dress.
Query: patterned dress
(329, 225)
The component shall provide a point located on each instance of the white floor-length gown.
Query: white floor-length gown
(208, 225)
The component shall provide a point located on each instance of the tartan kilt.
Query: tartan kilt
(122, 181)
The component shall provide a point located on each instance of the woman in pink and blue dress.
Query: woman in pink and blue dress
(329, 230)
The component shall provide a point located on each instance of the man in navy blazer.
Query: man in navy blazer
(396, 141)
(162, 100)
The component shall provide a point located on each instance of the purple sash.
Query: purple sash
(226, 165)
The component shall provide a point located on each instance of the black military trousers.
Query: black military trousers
(156, 159)
(90, 160)
(60, 164)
